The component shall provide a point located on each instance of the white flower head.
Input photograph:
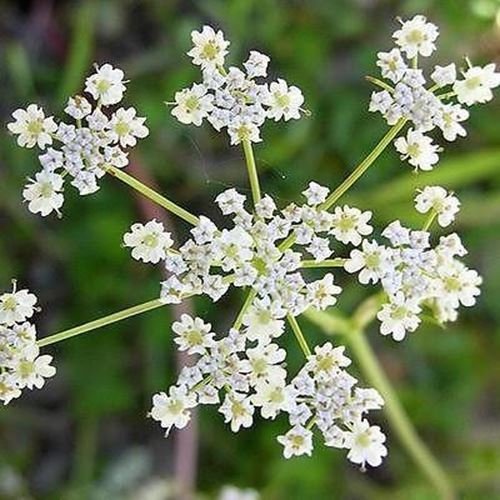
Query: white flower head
(16, 307)
(32, 127)
(173, 410)
(392, 65)
(78, 107)
(349, 224)
(209, 49)
(399, 316)
(125, 127)
(477, 84)
(43, 194)
(417, 36)
(193, 335)
(193, 104)
(297, 441)
(418, 149)
(256, 64)
(284, 101)
(315, 194)
(365, 444)
(436, 198)
(238, 410)
(444, 75)
(106, 85)
(30, 370)
(149, 242)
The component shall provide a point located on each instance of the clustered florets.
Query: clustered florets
(267, 251)
(86, 149)
(407, 98)
(232, 99)
(21, 366)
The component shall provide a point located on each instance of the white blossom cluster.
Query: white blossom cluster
(248, 253)
(84, 149)
(233, 99)
(244, 372)
(21, 366)
(414, 274)
(406, 96)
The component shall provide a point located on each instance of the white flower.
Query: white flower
(8, 389)
(297, 441)
(349, 224)
(417, 36)
(284, 101)
(273, 397)
(444, 75)
(230, 201)
(261, 323)
(78, 107)
(418, 149)
(209, 49)
(106, 85)
(381, 102)
(149, 242)
(32, 127)
(399, 316)
(17, 306)
(371, 261)
(321, 293)
(237, 409)
(448, 120)
(241, 129)
(263, 363)
(173, 410)
(125, 126)
(436, 198)
(392, 65)
(327, 360)
(43, 194)
(256, 64)
(477, 84)
(315, 194)
(365, 444)
(193, 104)
(193, 335)
(30, 370)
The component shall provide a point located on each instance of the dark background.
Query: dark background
(85, 435)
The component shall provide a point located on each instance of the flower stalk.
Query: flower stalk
(252, 171)
(99, 323)
(152, 195)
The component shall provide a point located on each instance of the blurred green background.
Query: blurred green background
(86, 435)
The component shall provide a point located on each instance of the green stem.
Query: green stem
(252, 171)
(299, 335)
(430, 220)
(324, 263)
(99, 323)
(248, 302)
(379, 83)
(152, 195)
(356, 174)
(364, 165)
(397, 416)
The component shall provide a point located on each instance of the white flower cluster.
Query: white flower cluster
(86, 148)
(406, 97)
(413, 274)
(21, 366)
(232, 99)
(248, 254)
(242, 372)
